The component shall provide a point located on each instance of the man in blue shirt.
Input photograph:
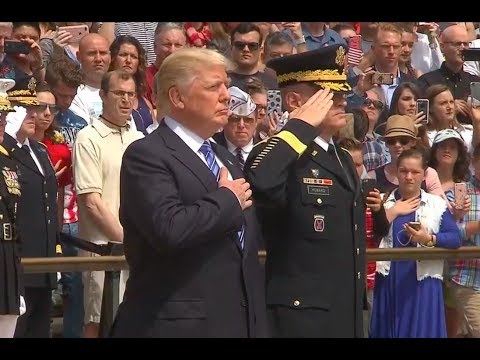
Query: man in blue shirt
(318, 35)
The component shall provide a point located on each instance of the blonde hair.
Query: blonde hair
(181, 68)
(387, 27)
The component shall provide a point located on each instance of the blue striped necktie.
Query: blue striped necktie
(207, 151)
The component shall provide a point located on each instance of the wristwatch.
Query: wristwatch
(300, 41)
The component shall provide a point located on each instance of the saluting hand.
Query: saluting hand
(315, 109)
(240, 187)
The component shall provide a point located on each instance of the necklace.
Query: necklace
(126, 125)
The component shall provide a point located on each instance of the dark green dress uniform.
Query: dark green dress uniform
(313, 216)
(11, 272)
(314, 224)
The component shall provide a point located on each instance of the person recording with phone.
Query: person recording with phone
(408, 299)
(453, 41)
(464, 274)
(443, 116)
(23, 61)
(450, 158)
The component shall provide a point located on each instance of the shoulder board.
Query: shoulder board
(4, 151)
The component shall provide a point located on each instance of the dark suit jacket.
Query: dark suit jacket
(314, 226)
(37, 208)
(188, 274)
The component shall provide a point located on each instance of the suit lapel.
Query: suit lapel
(350, 168)
(43, 158)
(19, 154)
(187, 157)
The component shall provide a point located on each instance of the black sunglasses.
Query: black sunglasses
(252, 46)
(377, 104)
(41, 107)
(401, 139)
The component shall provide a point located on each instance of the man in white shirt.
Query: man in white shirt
(94, 56)
(237, 135)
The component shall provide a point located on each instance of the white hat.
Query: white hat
(241, 104)
(446, 134)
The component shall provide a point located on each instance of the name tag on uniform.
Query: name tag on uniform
(313, 181)
(318, 190)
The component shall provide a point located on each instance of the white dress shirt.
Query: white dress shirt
(192, 140)
(245, 150)
(32, 154)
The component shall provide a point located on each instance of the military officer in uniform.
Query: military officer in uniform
(12, 303)
(37, 223)
(309, 201)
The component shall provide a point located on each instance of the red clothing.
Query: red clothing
(203, 35)
(60, 151)
(150, 72)
(371, 265)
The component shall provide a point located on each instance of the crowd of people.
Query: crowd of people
(195, 145)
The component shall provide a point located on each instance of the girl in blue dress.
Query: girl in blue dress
(408, 300)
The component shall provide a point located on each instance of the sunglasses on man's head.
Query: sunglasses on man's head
(403, 140)
(377, 104)
(252, 46)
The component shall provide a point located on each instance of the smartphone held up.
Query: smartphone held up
(423, 105)
(460, 191)
(368, 185)
(16, 47)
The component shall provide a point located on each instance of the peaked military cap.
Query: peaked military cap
(323, 67)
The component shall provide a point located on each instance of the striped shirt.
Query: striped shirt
(144, 32)
(467, 272)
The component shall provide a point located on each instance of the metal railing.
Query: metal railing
(112, 265)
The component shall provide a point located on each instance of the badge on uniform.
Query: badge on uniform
(318, 223)
(315, 172)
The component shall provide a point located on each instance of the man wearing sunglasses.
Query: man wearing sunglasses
(247, 43)
(308, 198)
(237, 135)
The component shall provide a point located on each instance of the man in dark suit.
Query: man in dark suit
(37, 210)
(190, 231)
(309, 201)
(238, 134)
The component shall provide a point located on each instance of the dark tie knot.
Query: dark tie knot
(26, 148)
(331, 149)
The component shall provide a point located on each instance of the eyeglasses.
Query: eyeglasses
(403, 140)
(377, 104)
(252, 46)
(261, 107)
(458, 44)
(236, 119)
(42, 107)
(122, 93)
